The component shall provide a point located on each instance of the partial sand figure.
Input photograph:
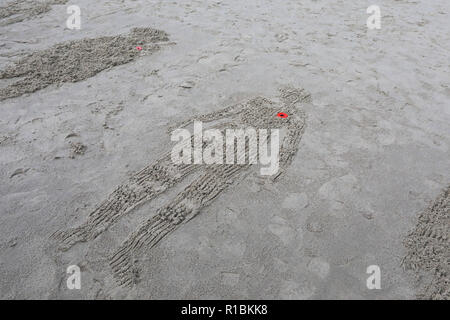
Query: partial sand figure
(19, 10)
(429, 249)
(78, 60)
(258, 113)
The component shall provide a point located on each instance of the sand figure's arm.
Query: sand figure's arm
(291, 98)
(21, 87)
(228, 112)
(291, 143)
(18, 69)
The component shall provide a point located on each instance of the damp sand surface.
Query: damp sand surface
(83, 114)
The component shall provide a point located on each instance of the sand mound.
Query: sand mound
(17, 11)
(429, 249)
(77, 60)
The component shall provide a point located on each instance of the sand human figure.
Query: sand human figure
(78, 60)
(20, 10)
(155, 179)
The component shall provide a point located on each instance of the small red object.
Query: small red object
(139, 48)
(282, 115)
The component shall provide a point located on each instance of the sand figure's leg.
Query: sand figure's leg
(21, 87)
(142, 186)
(182, 209)
(14, 71)
(291, 141)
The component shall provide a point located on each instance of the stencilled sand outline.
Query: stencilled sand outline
(155, 179)
(78, 60)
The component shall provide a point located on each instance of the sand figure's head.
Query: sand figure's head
(260, 112)
(148, 35)
(292, 98)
